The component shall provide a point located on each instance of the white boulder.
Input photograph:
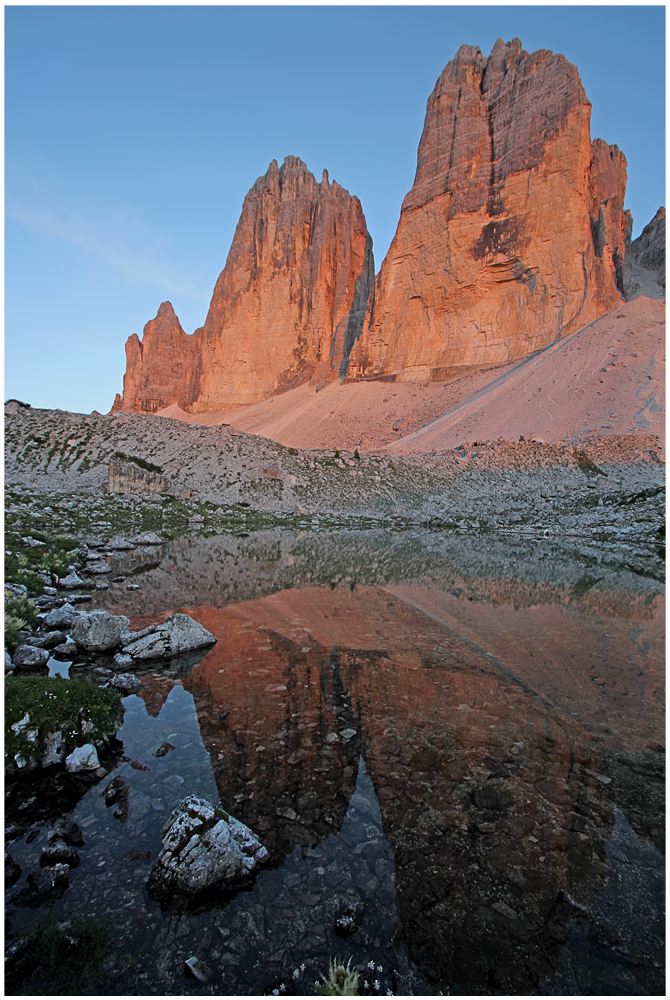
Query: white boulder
(204, 850)
(30, 656)
(98, 631)
(82, 759)
(177, 634)
(61, 617)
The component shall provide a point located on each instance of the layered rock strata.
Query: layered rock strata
(286, 309)
(513, 234)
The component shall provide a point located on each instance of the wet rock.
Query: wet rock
(98, 568)
(164, 748)
(113, 789)
(82, 759)
(348, 734)
(126, 683)
(59, 856)
(118, 579)
(44, 886)
(121, 544)
(80, 598)
(30, 657)
(12, 871)
(194, 968)
(54, 750)
(286, 812)
(66, 651)
(137, 854)
(48, 641)
(204, 850)
(122, 660)
(133, 586)
(349, 919)
(70, 582)
(177, 634)
(128, 637)
(138, 765)
(68, 830)
(148, 538)
(62, 617)
(16, 590)
(121, 811)
(99, 631)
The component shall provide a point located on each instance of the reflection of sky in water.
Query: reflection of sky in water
(493, 830)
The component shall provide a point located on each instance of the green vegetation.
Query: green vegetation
(341, 981)
(66, 956)
(140, 462)
(33, 564)
(82, 712)
(19, 613)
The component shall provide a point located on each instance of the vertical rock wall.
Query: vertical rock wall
(513, 233)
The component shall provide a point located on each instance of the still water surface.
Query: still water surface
(465, 735)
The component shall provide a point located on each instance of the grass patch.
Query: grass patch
(140, 462)
(27, 563)
(19, 613)
(66, 956)
(81, 712)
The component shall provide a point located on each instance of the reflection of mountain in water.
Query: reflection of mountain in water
(226, 569)
(496, 739)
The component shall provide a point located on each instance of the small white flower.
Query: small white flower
(371, 965)
(389, 993)
(296, 973)
(302, 967)
(275, 993)
(379, 968)
(282, 988)
(377, 984)
(316, 982)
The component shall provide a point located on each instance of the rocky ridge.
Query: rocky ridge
(644, 266)
(513, 234)
(286, 308)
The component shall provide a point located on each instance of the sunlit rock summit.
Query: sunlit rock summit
(512, 237)
(513, 233)
(286, 308)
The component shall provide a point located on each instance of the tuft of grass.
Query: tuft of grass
(27, 563)
(341, 981)
(19, 613)
(67, 956)
(82, 712)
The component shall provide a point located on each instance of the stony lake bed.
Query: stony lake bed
(448, 727)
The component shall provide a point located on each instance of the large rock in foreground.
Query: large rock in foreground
(178, 634)
(513, 234)
(204, 851)
(98, 631)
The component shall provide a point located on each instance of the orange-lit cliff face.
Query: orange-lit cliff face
(512, 236)
(270, 715)
(286, 309)
(487, 731)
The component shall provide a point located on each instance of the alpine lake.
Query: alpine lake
(459, 734)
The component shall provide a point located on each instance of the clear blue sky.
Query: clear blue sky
(134, 133)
